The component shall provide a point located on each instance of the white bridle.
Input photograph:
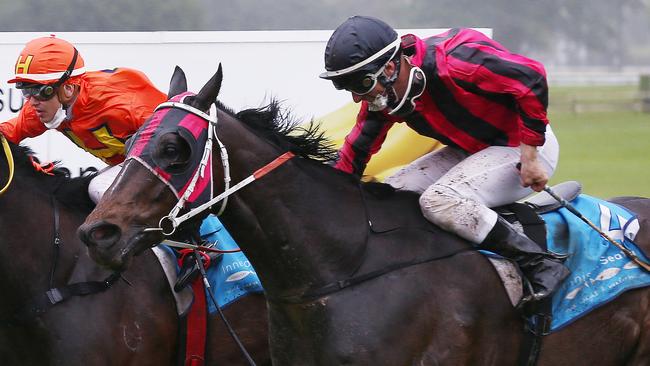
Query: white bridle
(212, 120)
(173, 218)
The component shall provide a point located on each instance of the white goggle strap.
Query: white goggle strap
(347, 70)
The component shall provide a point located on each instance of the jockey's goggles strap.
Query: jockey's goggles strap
(395, 44)
(66, 75)
(176, 221)
(45, 92)
(10, 162)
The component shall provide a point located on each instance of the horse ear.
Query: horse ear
(210, 91)
(178, 84)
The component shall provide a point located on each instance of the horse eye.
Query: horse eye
(170, 151)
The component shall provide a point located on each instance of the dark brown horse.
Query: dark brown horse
(353, 275)
(134, 322)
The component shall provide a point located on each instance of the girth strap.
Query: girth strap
(538, 324)
(315, 293)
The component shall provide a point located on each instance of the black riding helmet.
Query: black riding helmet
(357, 51)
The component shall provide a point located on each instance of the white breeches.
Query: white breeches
(102, 181)
(457, 189)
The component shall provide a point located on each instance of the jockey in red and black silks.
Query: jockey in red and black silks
(193, 129)
(485, 103)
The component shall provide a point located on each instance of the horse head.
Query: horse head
(169, 145)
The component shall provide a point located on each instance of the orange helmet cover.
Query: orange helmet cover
(45, 59)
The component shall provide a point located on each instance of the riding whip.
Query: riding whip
(577, 213)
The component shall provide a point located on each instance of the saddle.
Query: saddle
(525, 212)
(543, 202)
(525, 215)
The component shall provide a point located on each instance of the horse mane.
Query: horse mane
(72, 192)
(278, 126)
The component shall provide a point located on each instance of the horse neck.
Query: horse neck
(27, 234)
(289, 222)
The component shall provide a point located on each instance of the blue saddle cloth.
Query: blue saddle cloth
(599, 270)
(234, 275)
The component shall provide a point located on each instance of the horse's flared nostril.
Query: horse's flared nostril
(102, 234)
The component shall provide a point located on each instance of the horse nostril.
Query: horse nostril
(102, 234)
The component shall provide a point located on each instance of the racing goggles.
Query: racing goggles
(37, 91)
(359, 84)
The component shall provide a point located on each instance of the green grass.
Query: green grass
(608, 152)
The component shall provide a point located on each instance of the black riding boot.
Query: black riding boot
(544, 271)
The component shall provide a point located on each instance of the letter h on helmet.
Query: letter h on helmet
(45, 64)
